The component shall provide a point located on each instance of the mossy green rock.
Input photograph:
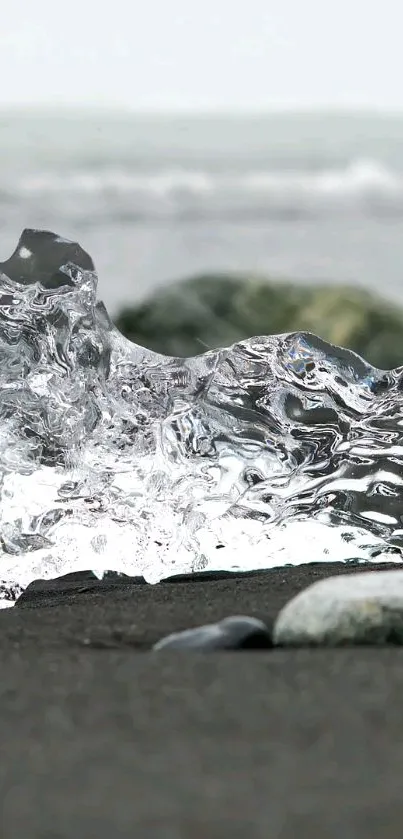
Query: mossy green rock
(205, 312)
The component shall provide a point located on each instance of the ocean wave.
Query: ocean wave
(363, 185)
(357, 177)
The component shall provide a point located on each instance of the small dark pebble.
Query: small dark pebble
(234, 633)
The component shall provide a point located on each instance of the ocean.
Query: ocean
(158, 198)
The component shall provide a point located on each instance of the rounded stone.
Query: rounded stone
(233, 633)
(362, 608)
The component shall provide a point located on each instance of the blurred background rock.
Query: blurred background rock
(211, 311)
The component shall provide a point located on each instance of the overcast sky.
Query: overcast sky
(203, 54)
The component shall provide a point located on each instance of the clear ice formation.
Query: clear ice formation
(277, 450)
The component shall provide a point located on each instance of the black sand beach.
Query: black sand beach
(102, 737)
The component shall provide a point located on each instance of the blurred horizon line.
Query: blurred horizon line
(89, 110)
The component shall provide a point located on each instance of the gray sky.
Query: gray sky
(203, 54)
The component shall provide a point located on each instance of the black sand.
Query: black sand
(101, 737)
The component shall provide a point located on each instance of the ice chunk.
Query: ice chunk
(279, 449)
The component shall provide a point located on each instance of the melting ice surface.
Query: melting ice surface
(277, 450)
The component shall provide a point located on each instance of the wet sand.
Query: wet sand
(101, 736)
